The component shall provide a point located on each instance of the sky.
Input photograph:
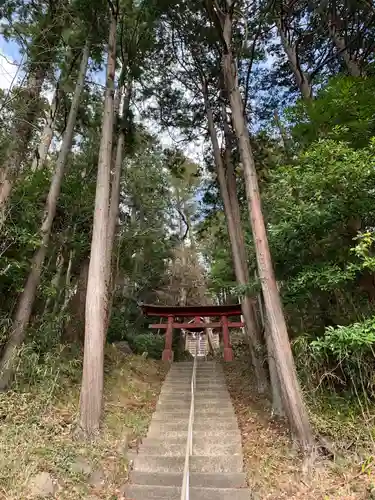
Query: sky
(10, 60)
(11, 63)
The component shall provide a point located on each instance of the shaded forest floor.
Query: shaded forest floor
(275, 468)
(37, 424)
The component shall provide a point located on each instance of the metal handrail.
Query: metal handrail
(189, 441)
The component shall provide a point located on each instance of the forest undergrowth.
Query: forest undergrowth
(39, 420)
(344, 467)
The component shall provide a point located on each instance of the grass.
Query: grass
(38, 422)
(275, 468)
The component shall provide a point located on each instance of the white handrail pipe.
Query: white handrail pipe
(189, 442)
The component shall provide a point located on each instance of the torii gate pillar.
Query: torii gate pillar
(168, 353)
(228, 351)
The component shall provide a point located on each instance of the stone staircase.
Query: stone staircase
(216, 465)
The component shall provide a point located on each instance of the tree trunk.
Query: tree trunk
(26, 301)
(241, 271)
(115, 195)
(55, 282)
(277, 402)
(47, 134)
(284, 136)
(292, 398)
(115, 188)
(352, 65)
(67, 287)
(291, 53)
(44, 44)
(96, 297)
(74, 330)
(232, 188)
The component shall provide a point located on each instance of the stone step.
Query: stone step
(186, 399)
(205, 418)
(199, 448)
(199, 405)
(200, 392)
(209, 375)
(178, 378)
(142, 492)
(187, 385)
(213, 369)
(199, 395)
(199, 373)
(157, 463)
(159, 427)
(186, 382)
(186, 393)
(199, 378)
(179, 439)
(218, 434)
(199, 387)
(179, 364)
(234, 438)
(221, 480)
(172, 414)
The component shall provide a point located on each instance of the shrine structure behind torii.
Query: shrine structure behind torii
(176, 318)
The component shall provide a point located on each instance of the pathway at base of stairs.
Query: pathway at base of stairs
(216, 466)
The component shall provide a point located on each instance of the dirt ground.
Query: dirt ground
(275, 468)
(37, 430)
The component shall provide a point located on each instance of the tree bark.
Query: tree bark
(352, 65)
(292, 398)
(26, 301)
(67, 286)
(115, 194)
(240, 267)
(232, 188)
(55, 282)
(96, 297)
(301, 78)
(74, 330)
(277, 402)
(283, 134)
(47, 134)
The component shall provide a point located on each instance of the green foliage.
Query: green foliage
(149, 343)
(341, 360)
(345, 342)
(59, 364)
(320, 214)
(343, 110)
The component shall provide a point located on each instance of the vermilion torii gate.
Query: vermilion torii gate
(174, 313)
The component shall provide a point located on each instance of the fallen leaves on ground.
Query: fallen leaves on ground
(37, 431)
(274, 466)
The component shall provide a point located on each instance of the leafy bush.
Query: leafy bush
(147, 342)
(36, 368)
(343, 357)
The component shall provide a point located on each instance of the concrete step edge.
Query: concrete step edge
(233, 439)
(198, 463)
(222, 479)
(195, 494)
